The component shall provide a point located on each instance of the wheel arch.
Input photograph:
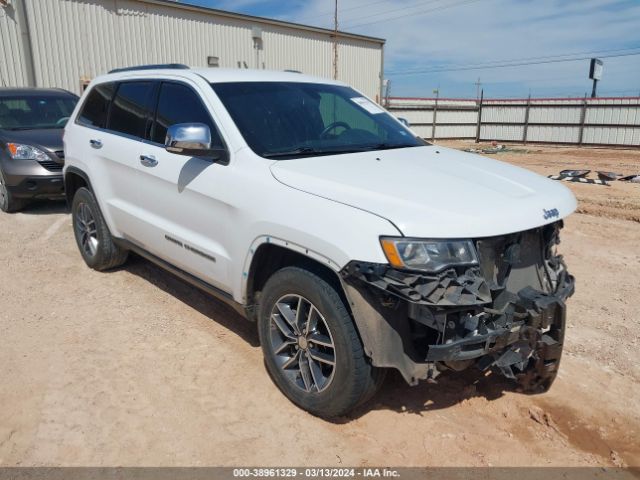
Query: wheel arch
(74, 178)
(269, 254)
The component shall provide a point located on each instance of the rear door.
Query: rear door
(185, 216)
(118, 118)
(127, 126)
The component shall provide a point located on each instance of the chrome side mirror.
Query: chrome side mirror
(404, 121)
(193, 140)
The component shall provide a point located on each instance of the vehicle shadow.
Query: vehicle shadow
(452, 388)
(191, 296)
(46, 207)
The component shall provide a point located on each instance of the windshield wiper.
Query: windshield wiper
(310, 151)
(290, 153)
(388, 146)
(49, 127)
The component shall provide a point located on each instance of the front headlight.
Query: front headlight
(428, 255)
(19, 151)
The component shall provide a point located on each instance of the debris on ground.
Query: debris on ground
(631, 178)
(579, 179)
(496, 149)
(575, 173)
(604, 177)
(610, 176)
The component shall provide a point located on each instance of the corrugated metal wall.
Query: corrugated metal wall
(78, 39)
(11, 71)
(600, 121)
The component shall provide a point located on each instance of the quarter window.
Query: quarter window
(179, 104)
(130, 108)
(96, 106)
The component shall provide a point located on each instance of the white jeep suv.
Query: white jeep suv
(355, 246)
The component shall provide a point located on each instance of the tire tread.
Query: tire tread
(109, 254)
(366, 378)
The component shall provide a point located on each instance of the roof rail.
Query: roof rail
(174, 66)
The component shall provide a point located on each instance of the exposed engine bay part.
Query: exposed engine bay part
(506, 314)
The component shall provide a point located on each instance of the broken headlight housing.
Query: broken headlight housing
(428, 255)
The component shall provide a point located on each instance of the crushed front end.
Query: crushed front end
(506, 312)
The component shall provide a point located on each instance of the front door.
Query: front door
(182, 198)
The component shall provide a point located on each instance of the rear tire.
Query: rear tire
(311, 347)
(94, 240)
(8, 203)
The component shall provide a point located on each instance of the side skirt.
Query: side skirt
(215, 292)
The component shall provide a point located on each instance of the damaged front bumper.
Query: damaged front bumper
(507, 313)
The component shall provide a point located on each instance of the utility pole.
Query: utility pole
(478, 84)
(594, 88)
(435, 113)
(387, 93)
(335, 41)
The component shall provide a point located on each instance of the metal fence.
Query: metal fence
(580, 121)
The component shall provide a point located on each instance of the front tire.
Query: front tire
(8, 203)
(94, 240)
(311, 346)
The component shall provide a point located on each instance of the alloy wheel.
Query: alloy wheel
(302, 343)
(86, 229)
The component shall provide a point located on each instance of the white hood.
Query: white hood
(432, 191)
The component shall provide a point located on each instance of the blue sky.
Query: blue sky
(428, 34)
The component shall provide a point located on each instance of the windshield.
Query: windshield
(30, 111)
(291, 119)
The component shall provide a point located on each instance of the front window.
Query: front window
(289, 119)
(180, 104)
(31, 112)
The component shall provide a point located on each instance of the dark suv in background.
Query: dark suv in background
(31, 156)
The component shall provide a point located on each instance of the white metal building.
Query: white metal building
(65, 43)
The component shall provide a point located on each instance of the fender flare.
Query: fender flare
(81, 174)
(295, 247)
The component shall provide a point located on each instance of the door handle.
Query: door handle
(96, 143)
(148, 160)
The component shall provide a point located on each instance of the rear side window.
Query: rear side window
(96, 106)
(179, 104)
(130, 108)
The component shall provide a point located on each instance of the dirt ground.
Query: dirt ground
(136, 368)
